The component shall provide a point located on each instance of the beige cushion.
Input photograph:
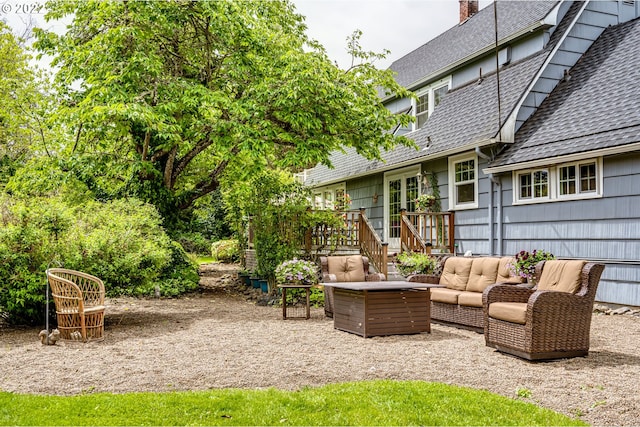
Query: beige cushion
(470, 299)
(346, 268)
(455, 273)
(448, 296)
(514, 312)
(563, 276)
(483, 273)
(505, 275)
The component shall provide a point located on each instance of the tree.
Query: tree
(177, 96)
(24, 101)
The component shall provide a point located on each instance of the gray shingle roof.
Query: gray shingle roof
(599, 107)
(467, 115)
(475, 34)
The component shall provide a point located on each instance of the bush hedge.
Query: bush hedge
(120, 241)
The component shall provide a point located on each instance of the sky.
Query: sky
(399, 26)
(396, 25)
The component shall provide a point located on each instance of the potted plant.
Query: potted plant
(297, 272)
(417, 264)
(524, 264)
(425, 202)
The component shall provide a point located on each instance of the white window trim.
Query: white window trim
(550, 187)
(452, 182)
(327, 188)
(554, 183)
(428, 89)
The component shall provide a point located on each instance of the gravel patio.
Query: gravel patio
(221, 338)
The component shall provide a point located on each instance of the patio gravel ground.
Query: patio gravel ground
(221, 338)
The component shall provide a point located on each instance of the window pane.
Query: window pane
(421, 119)
(466, 193)
(540, 184)
(465, 171)
(568, 180)
(422, 104)
(412, 193)
(394, 208)
(525, 186)
(588, 178)
(438, 94)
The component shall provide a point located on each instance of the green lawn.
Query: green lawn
(368, 403)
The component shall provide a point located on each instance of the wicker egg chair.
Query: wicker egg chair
(79, 300)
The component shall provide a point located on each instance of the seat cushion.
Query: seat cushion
(561, 275)
(505, 274)
(514, 312)
(455, 273)
(448, 296)
(346, 268)
(483, 273)
(470, 299)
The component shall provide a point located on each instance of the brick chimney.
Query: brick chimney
(467, 9)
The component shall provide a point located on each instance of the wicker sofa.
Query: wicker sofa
(459, 303)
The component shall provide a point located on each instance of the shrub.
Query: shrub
(416, 263)
(225, 250)
(122, 242)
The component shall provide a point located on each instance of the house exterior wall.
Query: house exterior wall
(362, 191)
(519, 50)
(605, 230)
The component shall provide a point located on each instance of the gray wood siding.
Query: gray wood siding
(361, 191)
(605, 229)
(595, 18)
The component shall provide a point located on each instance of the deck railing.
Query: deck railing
(426, 231)
(419, 232)
(372, 246)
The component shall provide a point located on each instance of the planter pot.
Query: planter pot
(255, 283)
(264, 285)
(245, 279)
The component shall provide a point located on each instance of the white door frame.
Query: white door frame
(402, 174)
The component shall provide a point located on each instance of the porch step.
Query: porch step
(392, 272)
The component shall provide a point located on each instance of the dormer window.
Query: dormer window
(428, 98)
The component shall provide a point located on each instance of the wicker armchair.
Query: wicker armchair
(79, 300)
(350, 268)
(550, 321)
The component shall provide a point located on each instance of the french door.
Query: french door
(401, 190)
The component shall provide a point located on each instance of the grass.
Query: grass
(368, 403)
(205, 259)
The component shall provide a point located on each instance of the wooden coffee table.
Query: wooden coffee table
(382, 308)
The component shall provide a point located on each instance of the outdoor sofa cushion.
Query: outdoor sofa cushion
(455, 273)
(470, 299)
(347, 268)
(483, 273)
(561, 275)
(505, 275)
(449, 296)
(514, 312)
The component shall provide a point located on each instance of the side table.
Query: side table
(307, 308)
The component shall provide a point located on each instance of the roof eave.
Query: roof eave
(563, 159)
(469, 147)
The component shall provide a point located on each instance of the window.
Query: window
(428, 99)
(566, 181)
(326, 197)
(533, 184)
(463, 176)
(579, 178)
